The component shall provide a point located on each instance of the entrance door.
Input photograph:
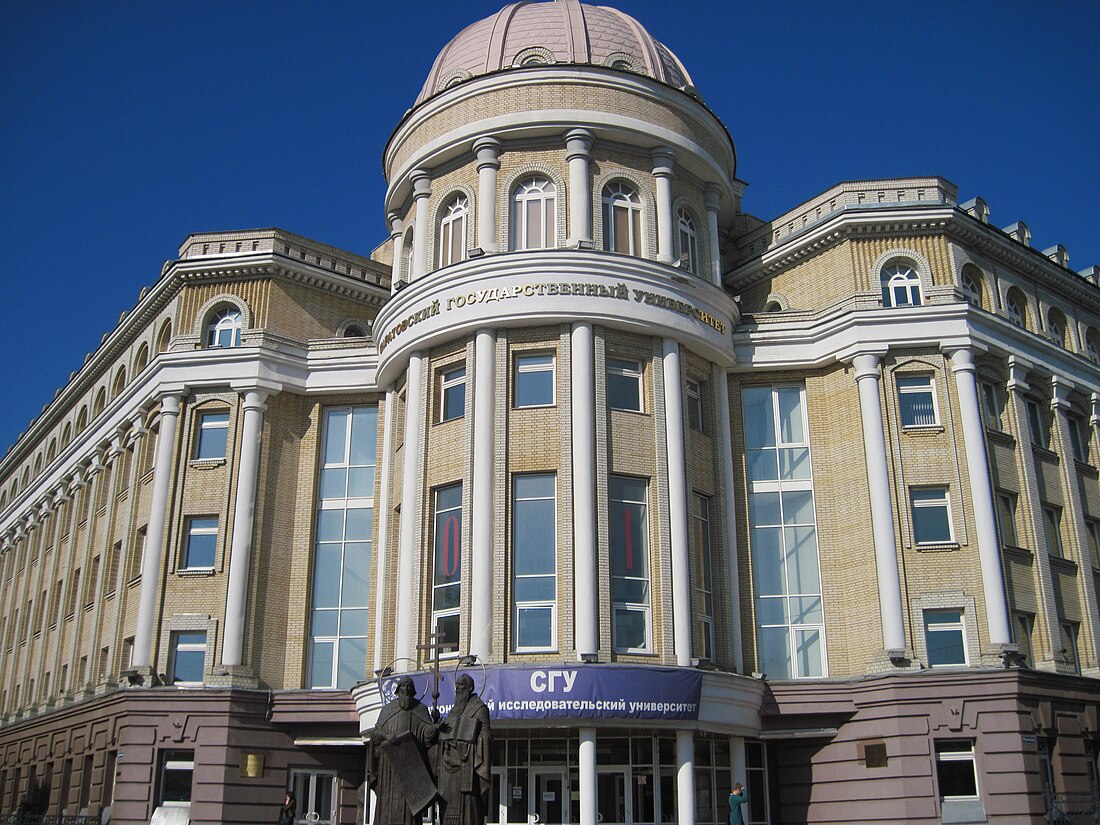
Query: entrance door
(548, 799)
(315, 797)
(613, 803)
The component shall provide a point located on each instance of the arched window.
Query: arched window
(165, 337)
(622, 218)
(1056, 327)
(1092, 345)
(689, 241)
(100, 401)
(51, 452)
(142, 359)
(900, 284)
(66, 435)
(1016, 307)
(120, 382)
(406, 262)
(224, 328)
(354, 331)
(534, 214)
(82, 419)
(971, 284)
(452, 232)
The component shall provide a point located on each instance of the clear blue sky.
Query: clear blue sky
(128, 125)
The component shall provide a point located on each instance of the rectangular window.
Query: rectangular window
(629, 529)
(174, 778)
(695, 405)
(1025, 627)
(931, 515)
(945, 637)
(1070, 632)
(212, 436)
(187, 657)
(624, 384)
(1052, 527)
(534, 562)
(534, 381)
(1036, 424)
(1079, 438)
(201, 543)
(702, 577)
(992, 408)
(452, 393)
(1006, 514)
(1092, 531)
(956, 772)
(917, 400)
(447, 566)
(790, 622)
(342, 550)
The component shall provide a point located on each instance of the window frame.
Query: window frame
(520, 369)
(703, 578)
(1037, 424)
(900, 277)
(992, 407)
(907, 385)
(1052, 530)
(943, 501)
(192, 530)
(622, 196)
(688, 237)
(452, 231)
(1092, 532)
(617, 497)
(450, 378)
(229, 319)
(1007, 506)
(1016, 314)
(1070, 636)
(177, 647)
(1023, 629)
(544, 604)
(953, 627)
(971, 288)
(1080, 437)
(944, 757)
(529, 190)
(693, 393)
(620, 367)
(165, 763)
(204, 426)
(451, 612)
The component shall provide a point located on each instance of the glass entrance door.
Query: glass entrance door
(548, 797)
(613, 803)
(315, 797)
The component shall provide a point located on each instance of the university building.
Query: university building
(808, 502)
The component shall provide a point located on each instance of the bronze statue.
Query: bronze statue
(398, 758)
(465, 775)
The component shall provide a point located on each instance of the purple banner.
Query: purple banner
(570, 691)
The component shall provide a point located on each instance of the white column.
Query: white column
(154, 536)
(422, 190)
(244, 517)
(882, 514)
(397, 228)
(712, 197)
(487, 150)
(582, 388)
(677, 503)
(578, 154)
(481, 554)
(724, 444)
(381, 546)
(985, 516)
(408, 544)
(663, 160)
(685, 778)
(738, 768)
(586, 775)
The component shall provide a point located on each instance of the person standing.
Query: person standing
(289, 809)
(738, 797)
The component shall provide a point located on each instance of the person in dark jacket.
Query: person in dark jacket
(738, 797)
(289, 809)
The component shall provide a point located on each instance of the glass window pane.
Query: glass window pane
(364, 435)
(534, 627)
(806, 610)
(622, 230)
(535, 389)
(359, 521)
(767, 561)
(532, 231)
(758, 414)
(771, 611)
(330, 525)
(794, 463)
(201, 549)
(774, 653)
(325, 622)
(188, 665)
(535, 537)
(809, 653)
(535, 589)
(624, 392)
(326, 576)
(336, 432)
(802, 567)
(762, 465)
(361, 482)
(798, 507)
(353, 662)
(354, 622)
(630, 629)
(334, 482)
(355, 590)
(764, 509)
(790, 415)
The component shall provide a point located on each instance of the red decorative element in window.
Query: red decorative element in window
(628, 539)
(451, 527)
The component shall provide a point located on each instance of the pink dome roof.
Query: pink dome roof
(558, 31)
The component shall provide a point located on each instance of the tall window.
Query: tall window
(201, 543)
(695, 405)
(1079, 437)
(1024, 627)
(957, 775)
(945, 637)
(622, 218)
(1092, 345)
(343, 549)
(1052, 525)
(972, 288)
(534, 380)
(534, 214)
(1070, 632)
(1016, 307)
(689, 241)
(624, 384)
(931, 515)
(452, 393)
(702, 577)
(452, 232)
(1056, 327)
(534, 562)
(1092, 532)
(917, 400)
(174, 778)
(1006, 512)
(447, 565)
(629, 529)
(900, 285)
(783, 533)
(992, 408)
(224, 329)
(212, 436)
(187, 657)
(1037, 423)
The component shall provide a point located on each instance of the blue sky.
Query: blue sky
(128, 125)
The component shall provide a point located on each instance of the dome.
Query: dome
(557, 31)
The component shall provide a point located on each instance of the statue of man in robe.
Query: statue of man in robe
(398, 758)
(466, 772)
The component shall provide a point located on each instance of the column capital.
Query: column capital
(396, 224)
(421, 182)
(254, 399)
(712, 197)
(487, 149)
(578, 143)
(170, 403)
(866, 364)
(664, 158)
